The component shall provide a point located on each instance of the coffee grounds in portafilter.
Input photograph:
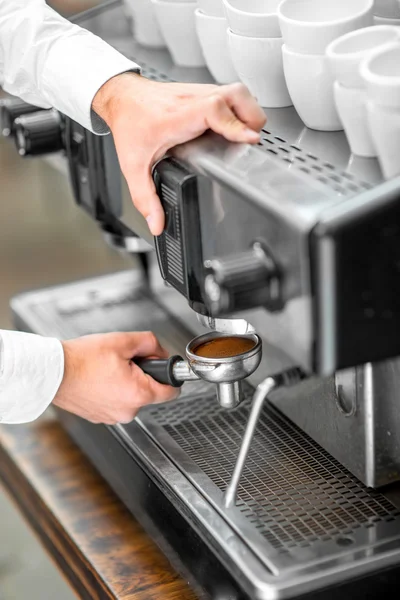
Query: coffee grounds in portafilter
(225, 347)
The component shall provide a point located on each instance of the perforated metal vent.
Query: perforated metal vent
(292, 491)
(311, 165)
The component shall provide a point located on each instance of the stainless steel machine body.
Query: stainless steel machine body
(366, 440)
(317, 231)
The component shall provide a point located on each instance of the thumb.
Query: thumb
(220, 118)
(144, 197)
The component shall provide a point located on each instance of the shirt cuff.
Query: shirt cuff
(32, 368)
(75, 69)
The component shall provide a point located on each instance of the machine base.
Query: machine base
(303, 525)
(184, 548)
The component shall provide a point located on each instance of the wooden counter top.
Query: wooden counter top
(99, 547)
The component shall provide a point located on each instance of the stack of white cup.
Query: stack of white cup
(211, 25)
(381, 75)
(255, 44)
(387, 12)
(308, 27)
(177, 23)
(146, 29)
(345, 55)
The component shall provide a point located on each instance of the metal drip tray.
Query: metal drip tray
(302, 522)
(300, 503)
(292, 492)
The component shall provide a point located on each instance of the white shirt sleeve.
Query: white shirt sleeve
(31, 371)
(49, 62)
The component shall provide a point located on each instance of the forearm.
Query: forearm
(31, 371)
(48, 61)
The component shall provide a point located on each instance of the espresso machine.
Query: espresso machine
(275, 473)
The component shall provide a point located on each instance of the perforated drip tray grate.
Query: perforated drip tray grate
(293, 493)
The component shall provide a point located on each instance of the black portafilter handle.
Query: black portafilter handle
(161, 369)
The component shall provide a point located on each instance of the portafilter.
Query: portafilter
(214, 357)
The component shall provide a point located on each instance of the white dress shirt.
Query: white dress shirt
(46, 61)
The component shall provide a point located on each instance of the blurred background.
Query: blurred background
(44, 240)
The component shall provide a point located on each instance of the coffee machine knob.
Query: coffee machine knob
(39, 133)
(242, 281)
(10, 110)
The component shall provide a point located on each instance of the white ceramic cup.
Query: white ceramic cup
(387, 8)
(146, 29)
(309, 26)
(213, 8)
(386, 21)
(258, 63)
(384, 126)
(346, 54)
(254, 18)
(212, 32)
(177, 23)
(310, 85)
(381, 75)
(351, 105)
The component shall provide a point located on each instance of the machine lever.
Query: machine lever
(161, 369)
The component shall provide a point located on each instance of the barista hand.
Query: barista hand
(102, 384)
(148, 118)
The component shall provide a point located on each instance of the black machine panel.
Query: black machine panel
(355, 257)
(179, 249)
(94, 172)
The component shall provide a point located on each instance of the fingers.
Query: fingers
(185, 112)
(162, 393)
(244, 105)
(220, 118)
(238, 98)
(144, 196)
(155, 394)
(141, 344)
(152, 392)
